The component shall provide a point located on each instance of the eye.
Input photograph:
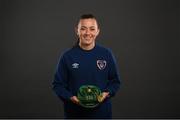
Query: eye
(82, 28)
(92, 29)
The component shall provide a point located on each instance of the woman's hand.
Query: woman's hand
(103, 96)
(74, 99)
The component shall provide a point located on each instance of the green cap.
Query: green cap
(89, 96)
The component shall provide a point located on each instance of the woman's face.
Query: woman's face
(87, 31)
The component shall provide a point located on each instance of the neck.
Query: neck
(87, 47)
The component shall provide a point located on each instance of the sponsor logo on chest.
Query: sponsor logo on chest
(75, 65)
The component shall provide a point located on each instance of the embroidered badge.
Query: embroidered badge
(101, 64)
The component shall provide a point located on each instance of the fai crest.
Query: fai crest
(101, 64)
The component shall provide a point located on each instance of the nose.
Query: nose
(87, 31)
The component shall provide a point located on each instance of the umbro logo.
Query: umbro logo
(75, 65)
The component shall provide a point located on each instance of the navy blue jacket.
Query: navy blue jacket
(79, 67)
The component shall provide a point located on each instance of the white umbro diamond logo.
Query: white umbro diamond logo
(75, 65)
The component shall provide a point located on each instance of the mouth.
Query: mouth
(87, 38)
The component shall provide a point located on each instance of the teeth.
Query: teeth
(87, 38)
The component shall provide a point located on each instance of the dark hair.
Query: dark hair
(85, 16)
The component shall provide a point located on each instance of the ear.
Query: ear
(98, 32)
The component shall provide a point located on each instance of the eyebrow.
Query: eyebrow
(90, 26)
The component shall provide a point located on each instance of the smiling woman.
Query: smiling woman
(143, 34)
(87, 30)
(87, 76)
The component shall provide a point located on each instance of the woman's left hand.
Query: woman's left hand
(103, 96)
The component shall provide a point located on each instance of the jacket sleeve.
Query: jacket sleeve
(113, 76)
(60, 82)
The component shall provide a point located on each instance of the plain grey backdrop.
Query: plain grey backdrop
(143, 35)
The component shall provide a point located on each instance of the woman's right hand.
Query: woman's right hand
(75, 100)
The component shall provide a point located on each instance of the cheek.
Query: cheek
(81, 33)
(94, 34)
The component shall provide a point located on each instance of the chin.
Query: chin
(87, 44)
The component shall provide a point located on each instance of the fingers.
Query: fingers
(102, 97)
(75, 100)
(105, 94)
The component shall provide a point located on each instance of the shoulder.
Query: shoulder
(66, 52)
(69, 51)
(104, 49)
(107, 52)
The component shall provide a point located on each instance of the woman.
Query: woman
(87, 63)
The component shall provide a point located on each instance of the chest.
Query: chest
(83, 64)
